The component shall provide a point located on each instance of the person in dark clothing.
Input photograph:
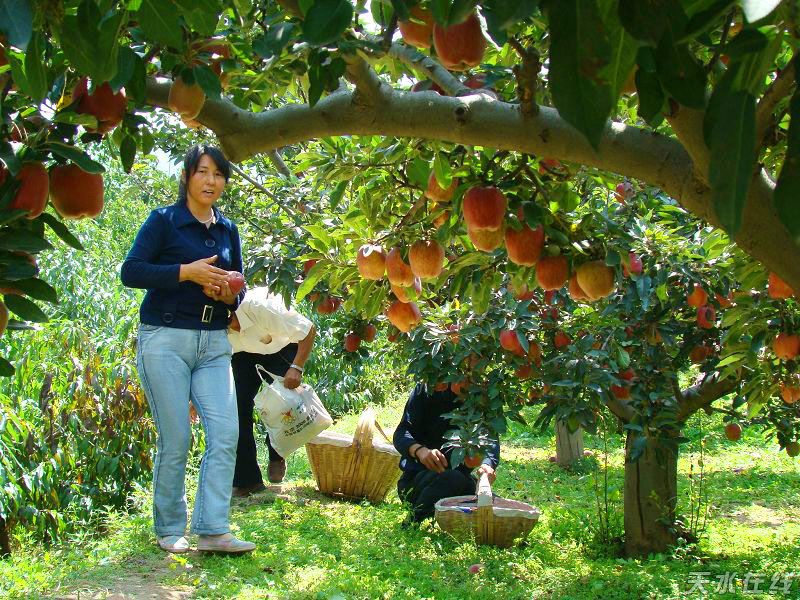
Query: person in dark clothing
(428, 475)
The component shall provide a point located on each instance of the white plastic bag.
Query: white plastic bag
(292, 417)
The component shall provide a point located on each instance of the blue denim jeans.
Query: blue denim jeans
(176, 365)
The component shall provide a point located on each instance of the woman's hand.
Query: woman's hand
(221, 292)
(433, 460)
(292, 379)
(489, 472)
(203, 272)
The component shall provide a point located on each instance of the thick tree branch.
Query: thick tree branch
(777, 91)
(478, 120)
(361, 74)
(430, 68)
(704, 394)
(620, 408)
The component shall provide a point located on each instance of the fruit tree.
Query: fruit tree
(461, 147)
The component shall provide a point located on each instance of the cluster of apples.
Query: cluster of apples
(425, 261)
(786, 345)
(74, 193)
(325, 304)
(366, 333)
(459, 47)
(187, 99)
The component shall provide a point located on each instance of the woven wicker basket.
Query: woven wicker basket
(354, 467)
(489, 520)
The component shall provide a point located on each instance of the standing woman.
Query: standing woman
(181, 256)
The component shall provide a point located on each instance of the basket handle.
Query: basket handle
(484, 491)
(365, 429)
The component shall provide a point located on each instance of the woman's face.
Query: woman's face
(206, 184)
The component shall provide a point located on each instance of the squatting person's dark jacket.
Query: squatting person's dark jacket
(423, 423)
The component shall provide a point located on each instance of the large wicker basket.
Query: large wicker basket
(354, 467)
(489, 520)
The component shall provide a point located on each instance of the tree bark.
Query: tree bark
(651, 492)
(5, 542)
(569, 446)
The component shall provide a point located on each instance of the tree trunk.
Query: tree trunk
(5, 543)
(569, 446)
(651, 492)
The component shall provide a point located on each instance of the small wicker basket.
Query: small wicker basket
(354, 467)
(489, 520)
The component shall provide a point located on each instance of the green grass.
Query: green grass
(310, 546)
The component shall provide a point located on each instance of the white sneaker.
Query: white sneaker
(177, 544)
(225, 543)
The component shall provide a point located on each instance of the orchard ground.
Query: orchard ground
(311, 546)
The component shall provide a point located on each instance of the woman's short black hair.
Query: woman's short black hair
(191, 162)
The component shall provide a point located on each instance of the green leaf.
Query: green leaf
(6, 368)
(579, 54)
(36, 288)
(647, 21)
(22, 307)
(755, 10)
(706, 17)
(22, 240)
(202, 16)
(36, 69)
(16, 22)
(451, 12)
(442, 171)
(89, 40)
(127, 152)
(747, 42)
(160, 22)
(61, 231)
(787, 190)
(275, 40)
(326, 21)
(500, 15)
(651, 97)
(208, 80)
(76, 155)
(732, 158)
(680, 73)
(312, 277)
(126, 65)
(338, 193)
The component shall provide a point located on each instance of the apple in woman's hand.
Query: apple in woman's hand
(235, 281)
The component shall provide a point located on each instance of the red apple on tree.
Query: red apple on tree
(34, 185)
(401, 293)
(437, 193)
(706, 317)
(369, 332)
(371, 262)
(352, 342)
(404, 315)
(510, 341)
(398, 271)
(487, 240)
(778, 288)
(484, 208)
(418, 30)
(624, 192)
(698, 297)
(786, 346)
(631, 265)
(733, 431)
(596, 279)
(524, 247)
(426, 258)
(552, 272)
(76, 194)
(461, 46)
